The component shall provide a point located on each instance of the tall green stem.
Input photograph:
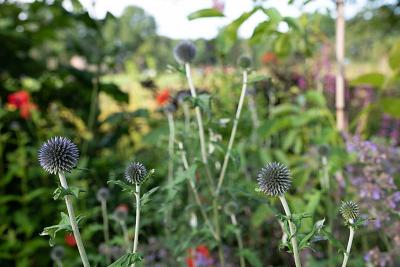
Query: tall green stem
(73, 222)
(125, 234)
(233, 133)
(292, 229)
(203, 147)
(349, 243)
(106, 231)
(239, 240)
(171, 142)
(136, 239)
(196, 193)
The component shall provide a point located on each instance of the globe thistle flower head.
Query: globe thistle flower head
(231, 208)
(121, 212)
(244, 62)
(324, 150)
(135, 173)
(57, 253)
(58, 154)
(274, 179)
(349, 210)
(185, 52)
(103, 194)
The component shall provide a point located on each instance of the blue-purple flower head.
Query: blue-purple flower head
(57, 253)
(135, 173)
(103, 194)
(244, 62)
(185, 52)
(58, 154)
(274, 179)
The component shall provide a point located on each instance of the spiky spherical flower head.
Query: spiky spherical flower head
(57, 253)
(349, 210)
(103, 194)
(135, 173)
(244, 62)
(274, 179)
(58, 154)
(324, 150)
(185, 52)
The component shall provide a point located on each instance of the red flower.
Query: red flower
(21, 100)
(70, 240)
(203, 250)
(162, 97)
(269, 57)
(199, 257)
(123, 208)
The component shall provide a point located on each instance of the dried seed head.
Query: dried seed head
(274, 179)
(135, 173)
(349, 210)
(57, 253)
(185, 52)
(58, 154)
(244, 62)
(103, 194)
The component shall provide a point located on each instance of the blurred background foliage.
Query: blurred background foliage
(98, 81)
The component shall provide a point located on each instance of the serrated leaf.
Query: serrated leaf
(126, 260)
(61, 192)
(205, 13)
(146, 197)
(124, 186)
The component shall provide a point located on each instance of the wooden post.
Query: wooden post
(340, 90)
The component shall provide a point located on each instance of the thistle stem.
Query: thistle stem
(106, 231)
(199, 119)
(196, 193)
(233, 133)
(59, 263)
(349, 243)
(73, 222)
(125, 234)
(171, 142)
(292, 229)
(136, 239)
(239, 240)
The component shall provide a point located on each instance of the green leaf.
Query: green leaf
(283, 45)
(205, 13)
(394, 57)
(146, 197)
(251, 257)
(257, 78)
(374, 79)
(273, 14)
(305, 242)
(336, 243)
(61, 192)
(64, 224)
(126, 260)
(292, 23)
(124, 186)
(390, 106)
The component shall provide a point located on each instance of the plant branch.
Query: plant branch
(239, 240)
(349, 243)
(106, 231)
(136, 239)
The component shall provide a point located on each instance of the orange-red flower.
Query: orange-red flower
(269, 57)
(163, 97)
(123, 208)
(70, 240)
(199, 257)
(21, 100)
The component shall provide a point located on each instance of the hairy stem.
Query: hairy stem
(239, 240)
(196, 193)
(73, 222)
(292, 229)
(58, 263)
(136, 239)
(106, 231)
(349, 243)
(171, 142)
(233, 133)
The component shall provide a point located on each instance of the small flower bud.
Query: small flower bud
(135, 173)
(244, 62)
(103, 194)
(274, 179)
(57, 253)
(231, 208)
(185, 52)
